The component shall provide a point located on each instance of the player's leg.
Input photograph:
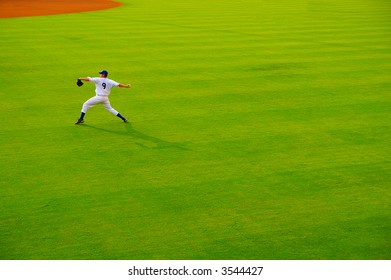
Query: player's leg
(87, 105)
(108, 107)
(91, 103)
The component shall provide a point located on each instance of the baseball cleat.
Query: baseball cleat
(79, 121)
(125, 121)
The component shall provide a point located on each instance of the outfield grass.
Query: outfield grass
(259, 130)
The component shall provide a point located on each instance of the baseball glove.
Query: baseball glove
(79, 83)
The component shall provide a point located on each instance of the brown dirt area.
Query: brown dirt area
(26, 8)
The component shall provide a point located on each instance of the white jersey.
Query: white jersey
(103, 85)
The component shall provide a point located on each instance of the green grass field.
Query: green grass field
(259, 130)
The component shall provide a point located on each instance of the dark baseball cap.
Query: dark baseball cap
(104, 72)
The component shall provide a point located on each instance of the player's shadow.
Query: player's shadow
(141, 139)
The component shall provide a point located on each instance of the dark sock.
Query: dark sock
(120, 116)
(82, 115)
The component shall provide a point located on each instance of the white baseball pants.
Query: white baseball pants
(104, 100)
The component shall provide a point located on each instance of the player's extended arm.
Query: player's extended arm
(85, 79)
(125, 86)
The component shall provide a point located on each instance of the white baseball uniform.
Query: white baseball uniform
(103, 87)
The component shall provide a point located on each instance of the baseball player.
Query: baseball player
(103, 86)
